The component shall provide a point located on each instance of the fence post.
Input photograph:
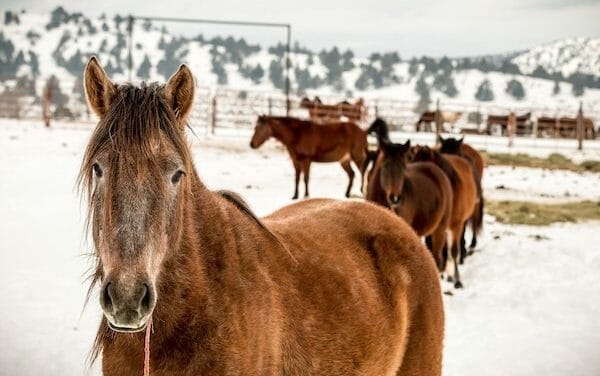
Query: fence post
(580, 130)
(438, 121)
(213, 119)
(511, 127)
(46, 105)
(270, 106)
(535, 125)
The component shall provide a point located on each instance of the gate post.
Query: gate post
(213, 119)
(580, 130)
(438, 121)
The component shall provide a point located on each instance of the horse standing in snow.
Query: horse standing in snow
(321, 287)
(308, 142)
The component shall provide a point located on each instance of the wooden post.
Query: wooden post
(535, 128)
(46, 105)
(438, 121)
(213, 119)
(511, 127)
(270, 102)
(580, 130)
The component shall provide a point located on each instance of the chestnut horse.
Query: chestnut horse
(458, 147)
(307, 142)
(418, 192)
(464, 189)
(321, 287)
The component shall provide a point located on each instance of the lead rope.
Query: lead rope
(147, 348)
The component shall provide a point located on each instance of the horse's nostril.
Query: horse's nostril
(107, 296)
(147, 300)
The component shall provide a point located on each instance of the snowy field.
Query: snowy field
(531, 303)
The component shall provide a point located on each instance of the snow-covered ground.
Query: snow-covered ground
(530, 306)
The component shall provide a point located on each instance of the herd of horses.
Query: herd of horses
(544, 126)
(437, 191)
(192, 282)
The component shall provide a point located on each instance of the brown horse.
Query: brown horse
(325, 113)
(307, 142)
(420, 193)
(464, 196)
(321, 287)
(458, 147)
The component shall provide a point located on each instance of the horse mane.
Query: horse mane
(243, 206)
(446, 167)
(380, 128)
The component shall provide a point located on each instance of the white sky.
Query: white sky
(425, 27)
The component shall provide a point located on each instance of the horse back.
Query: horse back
(356, 264)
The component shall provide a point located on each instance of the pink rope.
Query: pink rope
(147, 348)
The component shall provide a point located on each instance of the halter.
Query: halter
(147, 348)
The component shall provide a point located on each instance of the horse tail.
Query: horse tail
(477, 218)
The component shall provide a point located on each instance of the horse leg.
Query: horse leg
(463, 247)
(306, 171)
(348, 168)
(455, 253)
(361, 160)
(297, 168)
(438, 240)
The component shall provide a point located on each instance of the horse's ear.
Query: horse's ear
(441, 139)
(179, 92)
(406, 145)
(460, 141)
(100, 91)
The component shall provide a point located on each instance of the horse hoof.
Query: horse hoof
(458, 285)
(450, 279)
(471, 251)
(294, 197)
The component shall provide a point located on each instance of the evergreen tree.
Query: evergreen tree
(276, 74)
(422, 89)
(556, 88)
(484, 92)
(515, 89)
(143, 71)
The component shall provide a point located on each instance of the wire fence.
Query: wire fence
(229, 108)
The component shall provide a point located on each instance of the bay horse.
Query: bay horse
(464, 189)
(320, 287)
(458, 147)
(307, 142)
(418, 192)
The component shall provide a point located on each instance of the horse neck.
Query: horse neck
(283, 131)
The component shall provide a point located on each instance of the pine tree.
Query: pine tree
(556, 88)
(276, 74)
(484, 92)
(144, 69)
(515, 89)
(422, 89)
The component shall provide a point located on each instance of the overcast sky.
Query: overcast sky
(424, 27)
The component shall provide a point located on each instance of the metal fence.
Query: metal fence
(228, 108)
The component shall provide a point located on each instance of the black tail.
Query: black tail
(477, 217)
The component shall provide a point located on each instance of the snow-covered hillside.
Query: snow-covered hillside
(34, 47)
(565, 56)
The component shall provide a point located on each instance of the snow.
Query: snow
(567, 56)
(529, 305)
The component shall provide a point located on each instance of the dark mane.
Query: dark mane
(243, 206)
(446, 167)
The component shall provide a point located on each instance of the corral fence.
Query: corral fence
(222, 108)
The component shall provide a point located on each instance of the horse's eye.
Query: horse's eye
(97, 170)
(177, 176)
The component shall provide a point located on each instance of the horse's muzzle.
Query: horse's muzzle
(127, 309)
